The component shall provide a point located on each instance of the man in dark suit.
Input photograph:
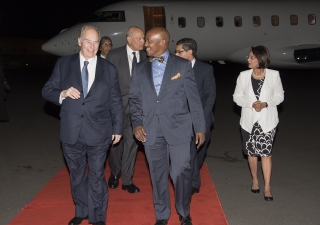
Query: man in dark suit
(187, 49)
(87, 88)
(122, 156)
(165, 107)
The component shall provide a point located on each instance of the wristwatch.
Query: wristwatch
(266, 105)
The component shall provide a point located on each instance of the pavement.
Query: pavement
(30, 151)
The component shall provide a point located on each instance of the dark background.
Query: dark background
(43, 19)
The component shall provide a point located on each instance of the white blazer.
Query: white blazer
(272, 93)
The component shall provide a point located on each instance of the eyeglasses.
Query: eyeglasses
(90, 43)
(179, 51)
(106, 45)
(251, 57)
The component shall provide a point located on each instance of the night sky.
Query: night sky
(43, 19)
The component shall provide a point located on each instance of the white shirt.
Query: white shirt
(102, 56)
(130, 57)
(193, 62)
(91, 71)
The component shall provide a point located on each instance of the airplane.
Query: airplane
(224, 30)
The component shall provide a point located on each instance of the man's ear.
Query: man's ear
(79, 42)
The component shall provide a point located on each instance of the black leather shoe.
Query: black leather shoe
(185, 220)
(113, 181)
(161, 222)
(195, 190)
(76, 220)
(131, 188)
(255, 190)
(99, 223)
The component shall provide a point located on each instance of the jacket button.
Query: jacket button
(81, 115)
(82, 103)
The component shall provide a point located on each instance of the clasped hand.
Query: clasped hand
(258, 105)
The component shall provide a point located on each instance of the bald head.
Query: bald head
(135, 38)
(157, 41)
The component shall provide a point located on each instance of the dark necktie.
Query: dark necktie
(84, 76)
(134, 62)
(160, 58)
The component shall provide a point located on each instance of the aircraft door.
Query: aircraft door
(154, 17)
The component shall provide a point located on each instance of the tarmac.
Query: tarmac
(30, 151)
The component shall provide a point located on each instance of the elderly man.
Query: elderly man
(87, 88)
(165, 106)
(187, 49)
(122, 156)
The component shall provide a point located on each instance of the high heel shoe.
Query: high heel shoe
(255, 190)
(268, 198)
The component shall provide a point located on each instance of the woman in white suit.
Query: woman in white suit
(259, 91)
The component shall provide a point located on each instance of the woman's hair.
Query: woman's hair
(262, 54)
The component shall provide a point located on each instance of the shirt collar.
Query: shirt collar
(193, 62)
(91, 60)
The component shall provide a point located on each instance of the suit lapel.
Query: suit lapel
(167, 75)
(148, 68)
(75, 67)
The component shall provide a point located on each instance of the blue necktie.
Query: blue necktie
(134, 62)
(84, 76)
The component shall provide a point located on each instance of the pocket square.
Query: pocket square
(176, 76)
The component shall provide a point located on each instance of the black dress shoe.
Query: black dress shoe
(113, 181)
(161, 222)
(76, 220)
(195, 190)
(99, 223)
(185, 220)
(255, 190)
(131, 188)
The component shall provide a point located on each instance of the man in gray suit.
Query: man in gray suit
(165, 106)
(122, 156)
(187, 49)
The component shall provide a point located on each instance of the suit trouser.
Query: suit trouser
(122, 156)
(164, 159)
(197, 158)
(89, 191)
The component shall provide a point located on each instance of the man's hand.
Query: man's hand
(115, 138)
(200, 137)
(139, 133)
(71, 93)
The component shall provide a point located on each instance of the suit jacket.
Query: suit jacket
(271, 92)
(177, 107)
(207, 88)
(99, 115)
(119, 58)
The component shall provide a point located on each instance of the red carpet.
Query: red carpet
(53, 204)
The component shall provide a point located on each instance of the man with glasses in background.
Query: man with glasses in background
(87, 89)
(122, 156)
(187, 49)
(105, 46)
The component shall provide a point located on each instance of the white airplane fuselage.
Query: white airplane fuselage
(218, 43)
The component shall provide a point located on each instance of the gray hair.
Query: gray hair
(84, 28)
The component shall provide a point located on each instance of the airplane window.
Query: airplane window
(200, 22)
(219, 21)
(275, 20)
(256, 21)
(238, 21)
(312, 19)
(106, 16)
(294, 20)
(182, 22)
